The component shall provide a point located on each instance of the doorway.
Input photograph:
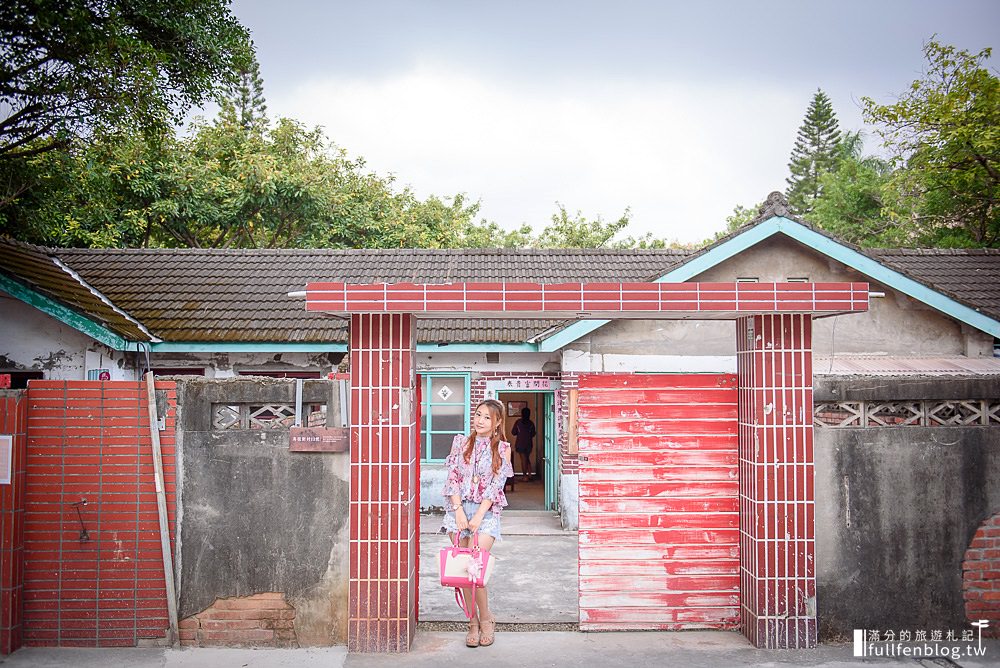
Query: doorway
(533, 489)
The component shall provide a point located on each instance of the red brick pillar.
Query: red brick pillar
(777, 502)
(383, 587)
(13, 422)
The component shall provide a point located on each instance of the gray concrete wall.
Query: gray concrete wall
(895, 325)
(896, 508)
(254, 517)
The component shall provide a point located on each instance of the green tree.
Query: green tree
(565, 231)
(944, 136)
(852, 204)
(73, 68)
(223, 185)
(814, 154)
(245, 96)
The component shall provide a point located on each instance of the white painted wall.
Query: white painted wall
(569, 501)
(33, 341)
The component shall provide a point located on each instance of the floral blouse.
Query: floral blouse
(474, 481)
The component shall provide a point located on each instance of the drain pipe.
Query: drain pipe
(161, 507)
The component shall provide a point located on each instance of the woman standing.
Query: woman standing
(478, 466)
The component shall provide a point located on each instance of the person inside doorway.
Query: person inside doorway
(478, 466)
(524, 432)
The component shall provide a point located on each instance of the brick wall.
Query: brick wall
(89, 440)
(13, 414)
(568, 462)
(981, 576)
(261, 620)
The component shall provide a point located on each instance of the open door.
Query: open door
(551, 449)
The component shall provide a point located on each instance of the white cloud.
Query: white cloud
(681, 154)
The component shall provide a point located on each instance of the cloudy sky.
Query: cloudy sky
(676, 110)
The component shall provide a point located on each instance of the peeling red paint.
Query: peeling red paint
(659, 510)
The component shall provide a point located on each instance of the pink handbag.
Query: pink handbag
(465, 568)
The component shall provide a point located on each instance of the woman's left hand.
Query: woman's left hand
(474, 522)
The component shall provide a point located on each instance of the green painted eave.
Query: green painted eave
(245, 347)
(818, 242)
(64, 314)
(319, 347)
(477, 347)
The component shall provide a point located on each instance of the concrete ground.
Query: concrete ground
(534, 581)
(535, 588)
(690, 649)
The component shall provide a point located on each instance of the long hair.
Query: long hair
(499, 434)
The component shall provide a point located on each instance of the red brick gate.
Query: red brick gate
(659, 501)
(774, 356)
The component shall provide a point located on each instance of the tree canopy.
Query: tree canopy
(71, 69)
(944, 137)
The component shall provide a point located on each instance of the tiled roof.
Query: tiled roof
(241, 295)
(33, 267)
(195, 295)
(971, 276)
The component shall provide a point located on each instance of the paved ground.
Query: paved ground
(535, 580)
(692, 649)
(537, 571)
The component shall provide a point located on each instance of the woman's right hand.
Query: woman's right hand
(461, 521)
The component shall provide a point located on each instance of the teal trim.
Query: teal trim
(723, 252)
(818, 242)
(320, 347)
(245, 347)
(426, 404)
(63, 314)
(570, 334)
(477, 348)
(882, 274)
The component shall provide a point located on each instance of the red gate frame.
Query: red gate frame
(774, 365)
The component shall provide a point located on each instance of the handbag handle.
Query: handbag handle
(475, 541)
(469, 611)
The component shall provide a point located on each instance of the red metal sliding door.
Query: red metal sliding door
(659, 510)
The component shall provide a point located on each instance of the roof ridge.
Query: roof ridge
(373, 251)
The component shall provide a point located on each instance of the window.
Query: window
(798, 279)
(444, 412)
(746, 279)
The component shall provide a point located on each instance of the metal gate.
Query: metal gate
(659, 510)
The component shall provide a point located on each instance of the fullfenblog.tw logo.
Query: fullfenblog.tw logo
(935, 644)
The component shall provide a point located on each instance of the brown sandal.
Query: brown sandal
(472, 637)
(487, 637)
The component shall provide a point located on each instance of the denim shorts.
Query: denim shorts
(490, 525)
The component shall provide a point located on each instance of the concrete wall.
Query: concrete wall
(257, 518)
(896, 508)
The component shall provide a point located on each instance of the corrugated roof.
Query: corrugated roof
(33, 267)
(867, 365)
(241, 295)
